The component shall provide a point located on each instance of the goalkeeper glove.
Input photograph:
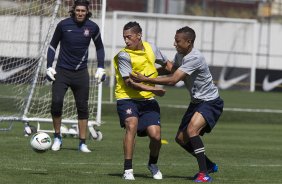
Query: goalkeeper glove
(100, 75)
(50, 74)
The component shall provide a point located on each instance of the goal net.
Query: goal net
(26, 29)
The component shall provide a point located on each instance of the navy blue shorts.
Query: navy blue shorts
(147, 112)
(211, 111)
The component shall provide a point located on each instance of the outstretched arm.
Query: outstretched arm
(168, 80)
(143, 87)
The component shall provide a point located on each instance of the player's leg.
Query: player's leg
(183, 140)
(149, 122)
(80, 89)
(192, 142)
(154, 133)
(128, 115)
(194, 128)
(199, 124)
(128, 146)
(59, 88)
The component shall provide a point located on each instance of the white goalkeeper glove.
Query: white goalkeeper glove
(100, 75)
(50, 74)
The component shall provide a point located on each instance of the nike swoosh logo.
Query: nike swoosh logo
(6, 74)
(149, 75)
(37, 140)
(267, 86)
(69, 30)
(224, 84)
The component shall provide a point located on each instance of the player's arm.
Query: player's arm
(53, 45)
(125, 68)
(162, 60)
(168, 80)
(100, 74)
(142, 87)
(96, 37)
(166, 69)
(50, 72)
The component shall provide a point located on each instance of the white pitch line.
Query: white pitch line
(233, 109)
(172, 164)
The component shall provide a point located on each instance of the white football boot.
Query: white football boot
(128, 174)
(83, 148)
(156, 173)
(57, 144)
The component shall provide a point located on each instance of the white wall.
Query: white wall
(232, 43)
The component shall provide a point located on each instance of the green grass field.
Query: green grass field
(245, 145)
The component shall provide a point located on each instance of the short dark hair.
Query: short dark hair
(80, 3)
(136, 28)
(189, 32)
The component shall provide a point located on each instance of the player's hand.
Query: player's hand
(138, 77)
(169, 66)
(100, 75)
(50, 74)
(159, 91)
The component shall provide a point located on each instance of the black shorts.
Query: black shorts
(147, 112)
(211, 111)
(78, 81)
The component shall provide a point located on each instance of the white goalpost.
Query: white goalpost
(26, 30)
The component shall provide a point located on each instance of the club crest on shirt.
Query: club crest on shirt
(128, 111)
(86, 32)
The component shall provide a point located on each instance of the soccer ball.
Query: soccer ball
(40, 142)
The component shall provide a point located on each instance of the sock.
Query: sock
(153, 160)
(199, 151)
(57, 135)
(127, 164)
(189, 149)
(209, 163)
(81, 141)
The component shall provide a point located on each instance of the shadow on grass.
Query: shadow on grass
(119, 175)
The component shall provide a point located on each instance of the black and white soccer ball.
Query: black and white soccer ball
(40, 142)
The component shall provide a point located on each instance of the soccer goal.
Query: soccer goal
(26, 29)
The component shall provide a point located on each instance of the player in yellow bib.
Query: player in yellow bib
(138, 111)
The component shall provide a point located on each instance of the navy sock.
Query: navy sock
(199, 151)
(81, 141)
(188, 148)
(57, 135)
(153, 160)
(127, 164)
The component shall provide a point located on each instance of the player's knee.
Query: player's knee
(178, 140)
(192, 130)
(82, 110)
(56, 108)
(82, 114)
(156, 137)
